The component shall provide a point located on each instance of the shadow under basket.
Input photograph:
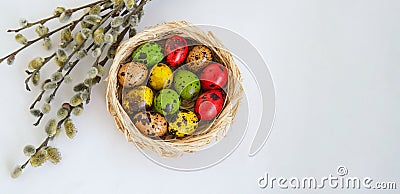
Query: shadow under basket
(175, 147)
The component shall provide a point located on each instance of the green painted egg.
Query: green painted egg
(187, 84)
(148, 54)
(167, 102)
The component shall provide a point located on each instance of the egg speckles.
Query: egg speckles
(176, 49)
(150, 123)
(167, 102)
(198, 57)
(187, 84)
(209, 104)
(132, 74)
(137, 100)
(148, 53)
(185, 123)
(160, 77)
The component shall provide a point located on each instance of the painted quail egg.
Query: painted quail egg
(167, 102)
(176, 50)
(214, 76)
(150, 123)
(160, 76)
(137, 99)
(209, 104)
(198, 57)
(148, 53)
(132, 74)
(187, 84)
(183, 124)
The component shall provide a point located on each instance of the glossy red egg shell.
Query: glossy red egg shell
(176, 50)
(209, 104)
(214, 76)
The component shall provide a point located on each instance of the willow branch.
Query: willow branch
(42, 145)
(43, 21)
(31, 74)
(71, 25)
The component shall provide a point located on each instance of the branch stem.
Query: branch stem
(43, 21)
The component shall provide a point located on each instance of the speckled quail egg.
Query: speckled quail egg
(137, 99)
(183, 124)
(167, 102)
(149, 54)
(198, 57)
(132, 74)
(151, 124)
(160, 76)
(187, 84)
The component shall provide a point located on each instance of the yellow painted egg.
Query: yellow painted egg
(183, 124)
(160, 76)
(137, 100)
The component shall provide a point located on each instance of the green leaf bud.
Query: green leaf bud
(23, 22)
(77, 111)
(130, 4)
(46, 108)
(76, 100)
(66, 35)
(47, 43)
(96, 52)
(108, 38)
(41, 30)
(81, 54)
(50, 86)
(58, 11)
(36, 112)
(56, 77)
(35, 79)
(95, 10)
(62, 113)
(86, 33)
(65, 16)
(117, 22)
(92, 19)
(80, 87)
(92, 73)
(51, 127)
(38, 158)
(70, 129)
(79, 39)
(29, 150)
(16, 172)
(21, 39)
(36, 63)
(67, 79)
(100, 70)
(53, 154)
(61, 55)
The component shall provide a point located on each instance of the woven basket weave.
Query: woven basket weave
(192, 143)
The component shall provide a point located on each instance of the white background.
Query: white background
(336, 67)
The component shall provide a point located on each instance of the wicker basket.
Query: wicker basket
(174, 147)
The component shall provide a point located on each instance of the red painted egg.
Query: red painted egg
(214, 76)
(209, 104)
(176, 50)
